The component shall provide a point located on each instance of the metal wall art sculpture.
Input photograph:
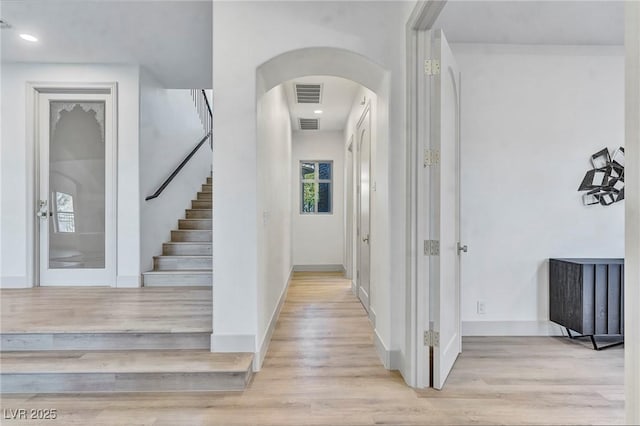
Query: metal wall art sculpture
(605, 182)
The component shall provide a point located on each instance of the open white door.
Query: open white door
(445, 210)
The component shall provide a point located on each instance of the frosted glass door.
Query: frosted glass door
(74, 146)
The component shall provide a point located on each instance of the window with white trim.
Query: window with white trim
(316, 187)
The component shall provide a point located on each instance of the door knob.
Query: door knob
(366, 239)
(42, 209)
(462, 248)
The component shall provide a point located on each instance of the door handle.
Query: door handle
(462, 248)
(42, 209)
(366, 239)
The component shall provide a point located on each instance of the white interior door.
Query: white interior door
(364, 208)
(76, 189)
(445, 211)
(349, 218)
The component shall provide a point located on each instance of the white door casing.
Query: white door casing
(445, 210)
(81, 251)
(364, 208)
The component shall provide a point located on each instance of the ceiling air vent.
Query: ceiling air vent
(308, 123)
(308, 93)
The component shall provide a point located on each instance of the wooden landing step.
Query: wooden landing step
(187, 278)
(124, 371)
(97, 340)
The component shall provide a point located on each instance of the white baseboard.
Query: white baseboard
(319, 268)
(233, 343)
(14, 282)
(510, 328)
(372, 317)
(128, 281)
(382, 350)
(258, 359)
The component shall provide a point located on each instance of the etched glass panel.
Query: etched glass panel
(77, 185)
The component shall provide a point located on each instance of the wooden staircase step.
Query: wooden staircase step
(186, 248)
(201, 204)
(205, 196)
(124, 371)
(209, 181)
(207, 187)
(181, 278)
(184, 262)
(199, 213)
(192, 235)
(121, 340)
(195, 224)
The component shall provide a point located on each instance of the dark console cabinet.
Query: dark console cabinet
(587, 295)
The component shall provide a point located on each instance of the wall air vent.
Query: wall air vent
(308, 93)
(308, 123)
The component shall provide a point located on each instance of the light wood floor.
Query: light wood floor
(106, 310)
(322, 369)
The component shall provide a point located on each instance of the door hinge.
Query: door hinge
(431, 157)
(431, 338)
(432, 67)
(431, 247)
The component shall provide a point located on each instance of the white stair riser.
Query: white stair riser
(175, 280)
(169, 249)
(205, 196)
(180, 263)
(201, 204)
(195, 224)
(191, 235)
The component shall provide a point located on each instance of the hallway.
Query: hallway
(322, 369)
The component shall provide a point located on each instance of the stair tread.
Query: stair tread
(126, 361)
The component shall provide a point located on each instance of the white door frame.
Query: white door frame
(358, 235)
(34, 89)
(349, 216)
(417, 231)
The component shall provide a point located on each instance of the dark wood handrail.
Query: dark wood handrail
(177, 170)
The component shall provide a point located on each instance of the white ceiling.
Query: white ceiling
(534, 22)
(173, 39)
(337, 99)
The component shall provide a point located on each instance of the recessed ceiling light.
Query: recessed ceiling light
(28, 37)
(318, 111)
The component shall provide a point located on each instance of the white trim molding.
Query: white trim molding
(510, 328)
(266, 341)
(233, 343)
(15, 282)
(632, 214)
(129, 281)
(391, 359)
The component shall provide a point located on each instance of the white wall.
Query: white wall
(274, 211)
(17, 156)
(531, 118)
(169, 129)
(318, 239)
(375, 30)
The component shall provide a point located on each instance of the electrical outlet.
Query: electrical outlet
(482, 307)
